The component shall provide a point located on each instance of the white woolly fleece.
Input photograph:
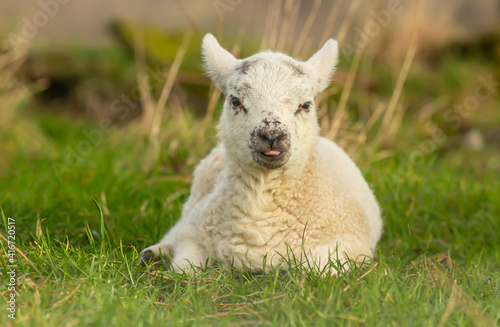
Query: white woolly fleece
(317, 204)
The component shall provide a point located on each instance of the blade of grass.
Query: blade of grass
(153, 151)
(299, 46)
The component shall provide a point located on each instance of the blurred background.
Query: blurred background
(88, 87)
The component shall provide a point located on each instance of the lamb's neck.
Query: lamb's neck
(265, 178)
(260, 192)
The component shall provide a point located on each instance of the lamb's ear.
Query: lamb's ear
(322, 64)
(218, 62)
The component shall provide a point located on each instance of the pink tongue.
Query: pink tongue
(272, 153)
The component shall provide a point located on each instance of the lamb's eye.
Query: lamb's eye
(305, 106)
(235, 102)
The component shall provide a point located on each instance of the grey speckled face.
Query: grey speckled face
(269, 105)
(269, 117)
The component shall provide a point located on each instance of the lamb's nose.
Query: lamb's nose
(270, 136)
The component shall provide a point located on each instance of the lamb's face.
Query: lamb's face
(269, 115)
(269, 118)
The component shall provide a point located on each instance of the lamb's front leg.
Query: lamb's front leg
(189, 256)
(181, 246)
(188, 250)
(154, 252)
(163, 249)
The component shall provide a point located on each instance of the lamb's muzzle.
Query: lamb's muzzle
(270, 147)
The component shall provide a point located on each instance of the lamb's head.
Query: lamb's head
(269, 118)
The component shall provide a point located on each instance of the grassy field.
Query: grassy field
(437, 264)
(82, 198)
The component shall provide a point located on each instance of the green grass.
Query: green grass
(438, 260)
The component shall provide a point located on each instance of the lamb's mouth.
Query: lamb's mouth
(271, 159)
(272, 153)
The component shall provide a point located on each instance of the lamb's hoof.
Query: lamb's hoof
(147, 257)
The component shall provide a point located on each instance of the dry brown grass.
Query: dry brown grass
(408, 31)
(18, 134)
(165, 120)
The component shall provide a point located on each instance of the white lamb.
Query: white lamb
(273, 188)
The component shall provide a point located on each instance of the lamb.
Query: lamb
(272, 187)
